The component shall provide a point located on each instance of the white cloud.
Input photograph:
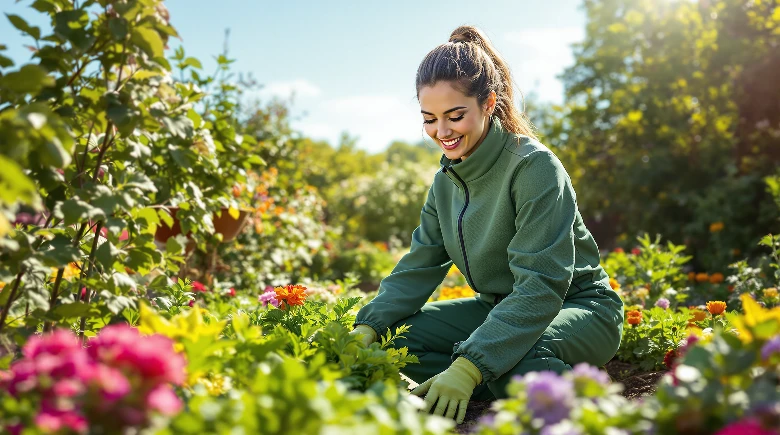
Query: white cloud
(377, 120)
(301, 88)
(536, 56)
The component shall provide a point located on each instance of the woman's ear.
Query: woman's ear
(490, 104)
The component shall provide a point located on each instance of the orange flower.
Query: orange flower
(614, 284)
(634, 317)
(702, 277)
(291, 294)
(716, 307)
(716, 278)
(691, 276)
(698, 315)
(716, 226)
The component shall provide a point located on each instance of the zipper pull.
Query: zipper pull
(444, 169)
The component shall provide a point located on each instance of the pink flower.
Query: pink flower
(269, 297)
(163, 400)
(58, 342)
(52, 420)
(231, 292)
(112, 383)
(67, 388)
(152, 357)
(192, 303)
(745, 427)
(198, 286)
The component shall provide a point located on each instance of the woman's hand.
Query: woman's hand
(364, 333)
(452, 389)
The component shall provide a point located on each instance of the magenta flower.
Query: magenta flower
(662, 302)
(771, 347)
(747, 426)
(550, 396)
(269, 297)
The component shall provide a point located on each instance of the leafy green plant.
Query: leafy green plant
(649, 271)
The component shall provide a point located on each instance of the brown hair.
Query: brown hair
(473, 65)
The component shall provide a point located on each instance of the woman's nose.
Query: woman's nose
(443, 132)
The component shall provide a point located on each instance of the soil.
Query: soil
(636, 382)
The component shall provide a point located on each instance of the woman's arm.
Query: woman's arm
(541, 258)
(414, 278)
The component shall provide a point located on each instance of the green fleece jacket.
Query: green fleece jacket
(507, 217)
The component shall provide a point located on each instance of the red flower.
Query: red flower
(83, 294)
(231, 292)
(198, 287)
(670, 358)
(636, 251)
(618, 250)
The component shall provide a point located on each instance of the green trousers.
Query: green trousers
(587, 329)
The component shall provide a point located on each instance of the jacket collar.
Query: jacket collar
(481, 160)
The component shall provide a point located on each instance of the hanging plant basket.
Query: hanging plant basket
(224, 224)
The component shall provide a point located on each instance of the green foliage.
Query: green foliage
(647, 343)
(678, 92)
(649, 272)
(97, 137)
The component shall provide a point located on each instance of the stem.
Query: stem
(55, 293)
(88, 270)
(11, 298)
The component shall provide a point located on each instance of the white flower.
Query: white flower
(670, 292)
(707, 332)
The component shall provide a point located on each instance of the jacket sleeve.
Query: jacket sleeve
(414, 278)
(541, 258)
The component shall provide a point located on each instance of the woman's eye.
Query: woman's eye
(431, 121)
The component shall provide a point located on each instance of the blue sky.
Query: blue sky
(352, 64)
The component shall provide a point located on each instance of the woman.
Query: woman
(503, 210)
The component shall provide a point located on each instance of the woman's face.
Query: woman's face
(454, 121)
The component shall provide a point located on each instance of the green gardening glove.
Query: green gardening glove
(364, 333)
(452, 388)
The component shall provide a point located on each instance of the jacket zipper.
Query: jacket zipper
(460, 225)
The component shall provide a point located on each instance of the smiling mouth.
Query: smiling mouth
(451, 144)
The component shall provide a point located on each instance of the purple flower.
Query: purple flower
(662, 302)
(269, 297)
(587, 371)
(550, 396)
(771, 347)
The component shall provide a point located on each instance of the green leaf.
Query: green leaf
(148, 40)
(15, 186)
(118, 28)
(55, 155)
(76, 309)
(30, 79)
(106, 254)
(22, 25)
(5, 62)
(73, 211)
(58, 252)
(193, 62)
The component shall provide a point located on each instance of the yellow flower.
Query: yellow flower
(454, 271)
(614, 284)
(716, 226)
(716, 307)
(716, 278)
(768, 292)
(71, 270)
(757, 322)
(2, 285)
(456, 292)
(642, 293)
